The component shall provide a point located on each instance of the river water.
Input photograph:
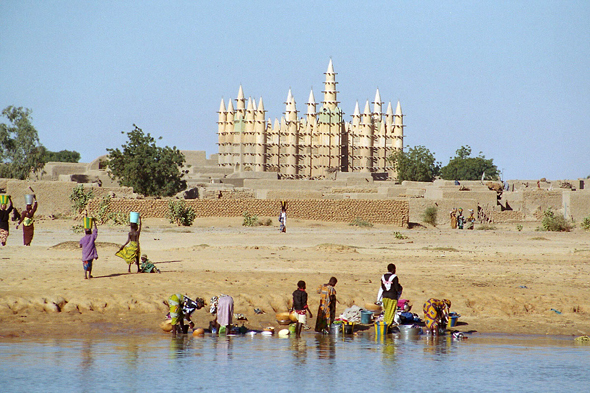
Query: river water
(314, 363)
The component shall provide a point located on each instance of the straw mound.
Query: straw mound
(331, 247)
(76, 245)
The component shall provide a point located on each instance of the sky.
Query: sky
(511, 79)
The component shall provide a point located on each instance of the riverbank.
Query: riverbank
(500, 281)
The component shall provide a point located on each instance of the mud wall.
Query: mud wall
(394, 212)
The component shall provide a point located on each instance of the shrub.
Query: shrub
(249, 219)
(79, 228)
(554, 223)
(429, 215)
(80, 198)
(586, 223)
(106, 216)
(180, 214)
(266, 223)
(519, 227)
(359, 222)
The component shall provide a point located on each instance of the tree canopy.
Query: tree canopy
(20, 150)
(417, 164)
(61, 156)
(465, 167)
(149, 169)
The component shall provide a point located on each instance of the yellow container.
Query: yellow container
(380, 329)
(88, 222)
(3, 199)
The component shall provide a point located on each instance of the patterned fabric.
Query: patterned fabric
(87, 265)
(389, 308)
(129, 252)
(436, 313)
(327, 308)
(3, 235)
(175, 302)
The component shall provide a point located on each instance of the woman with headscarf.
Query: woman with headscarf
(389, 293)
(436, 314)
(27, 220)
(327, 309)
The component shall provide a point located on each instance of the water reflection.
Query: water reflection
(326, 346)
(299, 349)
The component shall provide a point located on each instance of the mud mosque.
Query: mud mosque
(311, 146)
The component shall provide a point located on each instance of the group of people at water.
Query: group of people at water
(26, 218)
(436, 312)
(458, 220)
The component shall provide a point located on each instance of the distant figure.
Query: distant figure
(460, 218)
(4, 217)
(454, 218)
(389, 292)
(89, 253)
(471, 219)
(283, 217)
(130, 250)
(457, 183)
(27, 219)
(300, 307)
(436, 314)
(327, 309)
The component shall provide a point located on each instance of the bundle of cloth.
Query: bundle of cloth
(352, 314)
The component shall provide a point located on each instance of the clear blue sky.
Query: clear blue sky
(508, 78)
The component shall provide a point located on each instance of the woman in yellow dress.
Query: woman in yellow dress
(130, 250)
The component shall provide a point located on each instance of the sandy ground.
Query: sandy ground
(499, 281)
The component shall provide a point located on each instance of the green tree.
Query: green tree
(149, 169)
(418, 164)
(61, 156)
(20, 151)
(465, 167)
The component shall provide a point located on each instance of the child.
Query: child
(300, 307)
(89, 253)
(147, 266)
(283, 217)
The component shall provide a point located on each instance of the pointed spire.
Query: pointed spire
(398, 109)
(289, 97)
(330, 68)
(367, 108)
(356, 110)
(240, 93)
(222, 107)
(377, 97)
(260, 105)
(311, 99)
(230, 106)
(250, 105)
(389, 109)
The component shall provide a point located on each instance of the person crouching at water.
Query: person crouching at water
(27, 220)
(181, 309)
(436, 314)
(130, 250)
(327, 309)
(89, 253)
(4, 217)
(300, 307)
(225, 313)
(389, 293)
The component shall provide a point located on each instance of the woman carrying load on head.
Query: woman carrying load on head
(27, 220)
(181, 308)
(436, 314)
(130, 250)
(327, 309)
(4, 217)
